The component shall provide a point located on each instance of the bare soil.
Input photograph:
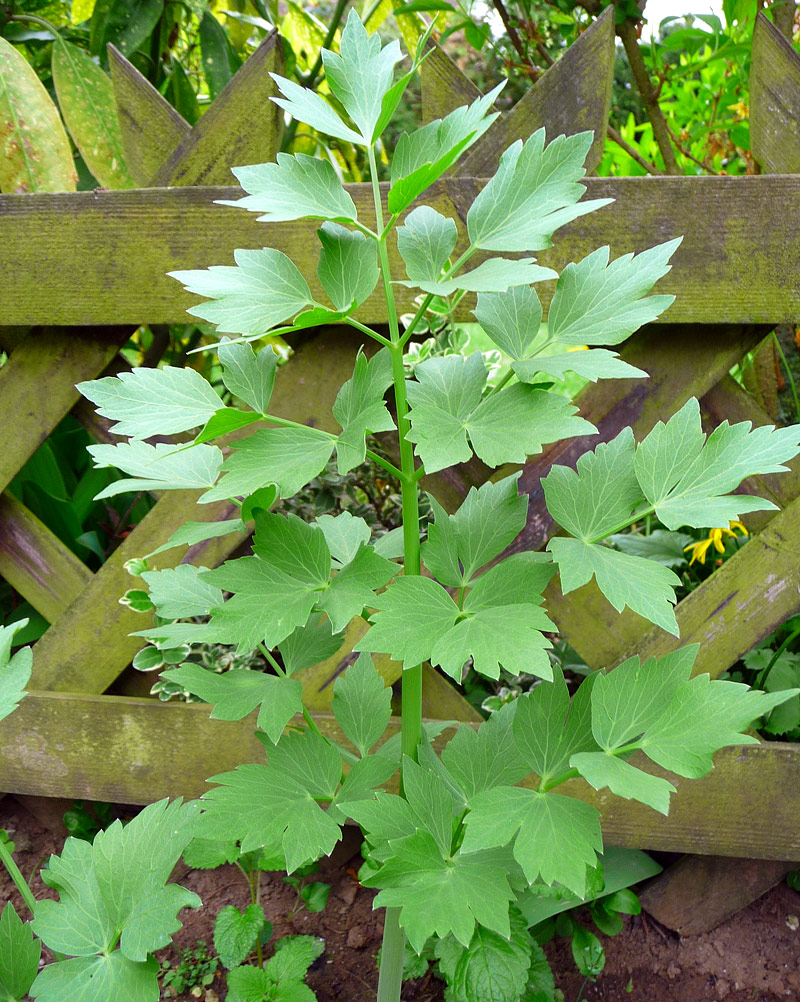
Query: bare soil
(754, 957)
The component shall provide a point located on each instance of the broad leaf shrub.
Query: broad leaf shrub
(453, 853)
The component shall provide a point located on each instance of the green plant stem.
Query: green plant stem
(644, 513)
(16, 875)
(369, 331)
(764, 674)
(389, 467)
(789, 376)
(390, 979)
(286, 423)
(390, 982)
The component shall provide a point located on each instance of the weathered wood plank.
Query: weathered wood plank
(730, 268)
(698, 893)
(116, 752)
(574, 95)
(151, 127)
(89, 645)
(444, 86)
(55, 359)
(774, 100)
(36, 563)
(242, 126)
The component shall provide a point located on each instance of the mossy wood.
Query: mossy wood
(737, 264)
(574, 95)
(138, 750)
(774, 100)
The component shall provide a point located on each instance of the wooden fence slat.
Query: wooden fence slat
(774, 100)
(241, 126)
(574, 95)
(139, 750)
(151, 127)
(36, 563)
(89, 646)
(122, 244)
(444, 86)
(37, 384)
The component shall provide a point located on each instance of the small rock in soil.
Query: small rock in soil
(722, 989)
(357, 937)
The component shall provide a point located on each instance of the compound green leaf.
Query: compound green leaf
(309, 644)
(512, 319)
(35, 154)
(548, 730)
(344, 534)
(179, 592)
(198, 532)
(353, 587)
(264, 288)
(520, 577)
(209, 853)
(703, 716)
(286, 457)
(274, 591)
(430, 802)
(424, 155)
(361, 783)
(593, 500)
(425, 242)
(237, 692)
(276, 803)
(359, 408)
(306, 106)
(15, 671)
(627, 700)
(226, 420)
(114, 891)
(86, 98)
(296, 187)
(438, 895)
(487, 757)
(220, 61)
(508, 636)
(147, 402)
(415, 613)
(557, 837)
(236, 933)
(600, 770)
(361, 75)
(594, 364)
(642, 585)
(159, 467)
(362, 703)
(686, 477)
(667, 548)
(532, 194)
(97, 979)
(249, 376)
(495, 275)
(19, 955)
(348, 266)
(505, 427)
(384, 818)
(247, 984)
(488, 520)
(600, 303)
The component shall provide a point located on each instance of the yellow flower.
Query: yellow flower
(715, 539)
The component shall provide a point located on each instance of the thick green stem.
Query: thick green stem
(390, 979)
(390, 982)
(16, 875)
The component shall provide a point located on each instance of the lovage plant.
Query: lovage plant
(456, 849)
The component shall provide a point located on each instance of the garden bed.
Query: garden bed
(751, 958)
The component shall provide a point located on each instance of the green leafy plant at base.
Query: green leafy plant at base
(194, 972)
(452, 854)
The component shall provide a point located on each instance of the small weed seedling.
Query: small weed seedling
(453, 852)
(194, 972)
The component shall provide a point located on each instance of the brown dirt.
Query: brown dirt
(754, 957)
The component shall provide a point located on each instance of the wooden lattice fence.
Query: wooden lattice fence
(79, 270)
